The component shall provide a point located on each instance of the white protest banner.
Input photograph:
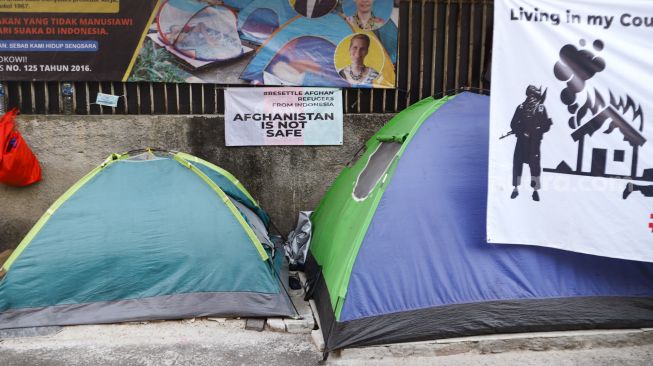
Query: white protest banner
(283, 116)
(571, 139)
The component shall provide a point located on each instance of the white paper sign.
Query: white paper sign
(571, 130)
(283, 116)
(107, 99)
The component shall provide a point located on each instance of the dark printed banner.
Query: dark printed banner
(346, 43)
(70, 40)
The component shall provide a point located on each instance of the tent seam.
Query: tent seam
(223, 196)
(221, 171)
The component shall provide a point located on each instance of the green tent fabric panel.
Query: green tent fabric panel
(157, 231)
(340, 225)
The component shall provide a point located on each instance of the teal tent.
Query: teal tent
(145, 235)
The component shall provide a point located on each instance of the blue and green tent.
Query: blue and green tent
(146, 235)
(399, 250)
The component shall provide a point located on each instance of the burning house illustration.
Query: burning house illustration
(609, 134)
(608, 144)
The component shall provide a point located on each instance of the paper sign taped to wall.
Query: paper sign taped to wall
(283, 116)
(107, 100)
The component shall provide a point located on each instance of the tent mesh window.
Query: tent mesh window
(376, 167)
(146, 156)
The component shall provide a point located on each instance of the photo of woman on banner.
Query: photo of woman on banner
(357, 72)
(367, 15)
(314, 8)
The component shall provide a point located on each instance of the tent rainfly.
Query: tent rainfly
(399, 252)
(146, 235)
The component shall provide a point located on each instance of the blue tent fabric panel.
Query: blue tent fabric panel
(281, 9)
(426, 244)
(259, 25)
(311, 49)
(237, 4)
(388, 35)
(158, 231)
(331, 27)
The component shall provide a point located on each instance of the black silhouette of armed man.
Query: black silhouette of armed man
(529, 124)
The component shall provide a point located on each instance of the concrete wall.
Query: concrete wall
(284, 179)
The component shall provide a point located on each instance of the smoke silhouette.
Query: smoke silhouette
(576, 66)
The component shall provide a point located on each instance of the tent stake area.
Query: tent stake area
(592, 347)
(226, 342)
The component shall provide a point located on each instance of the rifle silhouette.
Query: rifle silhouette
(511, 132)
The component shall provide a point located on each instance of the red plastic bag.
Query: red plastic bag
(18, 165)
